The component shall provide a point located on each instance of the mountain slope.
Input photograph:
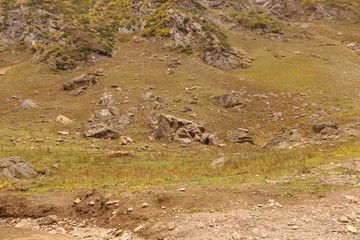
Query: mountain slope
(65, 34)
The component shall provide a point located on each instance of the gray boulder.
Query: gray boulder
(15, 167)
(101, 131)
(29, 104)
(239, 135)
(106, 123)
(78, 82)
(226, 100)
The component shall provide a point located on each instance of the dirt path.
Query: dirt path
(9, 233)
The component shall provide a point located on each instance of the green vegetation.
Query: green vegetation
(84, 169)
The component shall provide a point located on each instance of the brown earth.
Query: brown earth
(243, 211)
(9, 233)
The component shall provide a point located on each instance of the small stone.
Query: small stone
(63, 133)
(172, 227)
(352, 216)
(351, 229)
(112, 202)
(130, 209)
(145, 205)
(20, 225)
(344, 219)
(77, 201)
(139, 228)
(169, 71)
(295, 227)
(195, 88)
(118, 232)
(181, 189)
(91, 203)
(236, 236)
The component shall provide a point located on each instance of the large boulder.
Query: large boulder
(106, 123)
(99, 131)
(239, 135)
(78, 82)
(29, 104)
(226, 100)
(15, 167)
(180, 130)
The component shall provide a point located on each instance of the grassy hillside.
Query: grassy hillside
(303, 70)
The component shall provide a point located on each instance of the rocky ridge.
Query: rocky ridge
(67, 36)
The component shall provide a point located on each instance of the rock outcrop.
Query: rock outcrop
(78, 82)
(15, 167)
(185, 26)
(182, 131)
(239, 135)
(106, 123)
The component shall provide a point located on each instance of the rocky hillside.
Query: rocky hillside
(66, 34)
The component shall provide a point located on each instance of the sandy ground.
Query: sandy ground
(9, 233)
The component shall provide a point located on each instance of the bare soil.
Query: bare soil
(9, 233)
(243, 211)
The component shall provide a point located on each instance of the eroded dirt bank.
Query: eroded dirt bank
(245, 211)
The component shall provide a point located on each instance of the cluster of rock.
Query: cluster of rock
(186, 31)
(106, 123)
(220, 58)
(296, 9)
(183, 131)
(16, 168)
(29, 104)
(354, 46)
(239, 135)
(321, 133)
(226, 100)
